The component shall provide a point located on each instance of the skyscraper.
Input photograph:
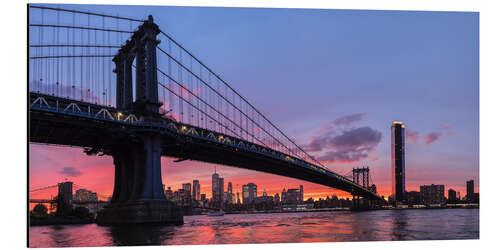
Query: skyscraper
(398, 160)
(230, 187)
(221, 189)
(470, 190)
(187, 189)
(283, 196)
(169, 194)
(292, 196)
(432, 194)
(276, 198)
(215, 188)
(196, 190)
(452, 196)
(301, 195)
(84, 195)
(245, 194)
(249, 193)
(65, 191)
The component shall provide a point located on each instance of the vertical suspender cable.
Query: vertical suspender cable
(117, 42)
(179, 70)
(42, 68)
(68, 72)
(74, 60)
(87, 62)
(39, 64)
(96, 72)
(81, 68)
(171, 95)
(190, 87)
(52, 61)
(198, 103)
(109, 72)
(102, 68)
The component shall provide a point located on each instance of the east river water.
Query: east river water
(411, 224)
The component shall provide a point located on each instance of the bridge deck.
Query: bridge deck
(61, 121)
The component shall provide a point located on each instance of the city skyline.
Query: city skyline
(432, 195)
(441, 149)
(207, 189)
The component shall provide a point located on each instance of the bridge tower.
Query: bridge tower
(364, 173)
(365, 176)
(138, 195)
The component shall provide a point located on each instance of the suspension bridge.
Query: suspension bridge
(64, 190)
(124, 87)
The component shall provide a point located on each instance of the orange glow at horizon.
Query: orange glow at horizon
(96, 173)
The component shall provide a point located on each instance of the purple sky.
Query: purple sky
(334, 80)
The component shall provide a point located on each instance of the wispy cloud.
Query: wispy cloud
(432, 137)
(412, 135)
(344, 146)
(449, 129)
(70, 171)
(348, 119)
(351, 146)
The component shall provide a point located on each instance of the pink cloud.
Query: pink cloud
(432, 137)
(348, 119)
(449, 129)
(412, 135)
(346, 146)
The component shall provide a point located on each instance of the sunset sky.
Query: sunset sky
(334, 80)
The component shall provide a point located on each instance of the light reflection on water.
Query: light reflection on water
(273, 228)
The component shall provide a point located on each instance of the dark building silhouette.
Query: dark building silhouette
(398, 160)
(217, 189)
(432, 194)
(196, 190)
(169, 194)
(452, 196)
(187, 189)
(413, 198)
(475, 198)
(276, 198)
(283, 196)
(229, 197)
(264, 198)
(249, 192)
(470, 190)
(292, 196)
(182, 197)
(301, 198)
(65, 191)
(221, 189)
(84, 195)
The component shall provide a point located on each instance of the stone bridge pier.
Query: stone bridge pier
(138, 195)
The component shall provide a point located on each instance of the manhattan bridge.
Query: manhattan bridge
(124, 87)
